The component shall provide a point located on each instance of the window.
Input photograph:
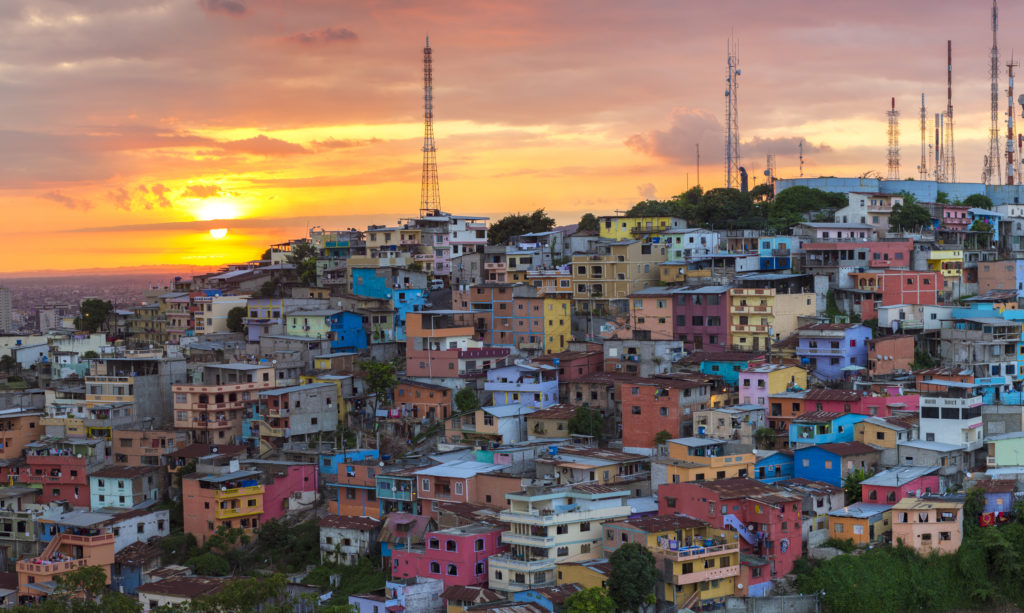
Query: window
(480, 569)
(434, 543)
(453, 570)
(425, 485)
(478, 545)
(435, 568)
(636, 410)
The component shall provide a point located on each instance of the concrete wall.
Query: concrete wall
(1001, 418)
(793, 603)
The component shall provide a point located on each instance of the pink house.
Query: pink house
(650, 313)
(909, 287)
(893, 485)
(848, 401)
(457, 556)
(955, 216)
(283, 481)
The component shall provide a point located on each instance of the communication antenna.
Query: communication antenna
(894, 142)
(430, 197)
(801, 147)
(993, 167)
(949, 152)
(922, 170)
(732, 129)
(1011, 131)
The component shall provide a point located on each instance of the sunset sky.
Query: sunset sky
(127, 127)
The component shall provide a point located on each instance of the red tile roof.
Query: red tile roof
(349, 522)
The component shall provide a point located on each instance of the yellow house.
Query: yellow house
(628, 228)
(557, 323)
(761, 382)
(700, 459)
(883, 433)
(949, 262)
(550, 422)
(613, 271)
(760, 315)
(588, 573)
(861, 522)
(704, 561)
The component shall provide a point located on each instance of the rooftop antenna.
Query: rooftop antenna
(698, 163)
(948, 149)
(993, 166)
(430, 198)
(922, 170)
(770, 171)
(801, 147)
(894, 142)
(732, 129)
(1011, 132)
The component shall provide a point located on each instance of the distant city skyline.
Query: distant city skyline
(128, 127)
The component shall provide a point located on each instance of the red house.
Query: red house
(849, 401)
(650, 405)
(893, 485)
(768, 518)
(457, 556)
(60, 467)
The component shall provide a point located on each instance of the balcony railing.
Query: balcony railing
(238, 512)
(690, 553)
(49, 568)
(514, 538)
(249, 490)
(710, 574)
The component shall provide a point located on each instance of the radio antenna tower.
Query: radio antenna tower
(800, 145)
(922, 170)
(732, 129)
(770, 171)
(993, 165)
(894, 142)
(430, 197)
(1011, 132)
(948, 151)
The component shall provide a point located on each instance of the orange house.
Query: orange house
(18, 427)
(67, 551)
(232, 499)
(145, 447)
(211, 411)
(355, 490)
(424, 399)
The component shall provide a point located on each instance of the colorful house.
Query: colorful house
(457, 556)
(656, 404)
(892, 485)
(929, 524)
(124, 487)
(862, 522)
(232, 499)
(821, 427)
(830, 350)
(620, 228)
(738, 504)
(726, 364)
(343, 329)
(832, 462)
(773, 466)
(79, 539)
(700, 459)
(700, 317)
(760, 382)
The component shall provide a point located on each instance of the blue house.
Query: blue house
(406, 289)
(831, 463)
(992, 218)
(329, 463)
(822, 427)
(829, 350)
(999, 494)
(773, 466)
(133, 564)
(728, 364)
(550, 598)
(776, 252)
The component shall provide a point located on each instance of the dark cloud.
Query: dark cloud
(141, 197)
(201, 191)
(263, 145)
(345, 143)
(227, 7)
(326, 35)
(67, 201)
(690, 127)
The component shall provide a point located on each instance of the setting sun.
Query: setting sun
(218, 232)
(216, 208)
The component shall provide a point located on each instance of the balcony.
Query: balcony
(821, 351)
(494, 266)
(238, 511)
(710, 574)
(200, 424)
(48, 570)
(405, 495)
(482, 352)
(236, 492)
(749, 328)
(693, 553)
(514, 538)
(542, 518)
(511, 563)
(751, 309)
(86, 541)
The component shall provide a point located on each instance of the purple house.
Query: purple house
(828, 350)
(701, 317)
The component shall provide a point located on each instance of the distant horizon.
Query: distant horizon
(186, 134)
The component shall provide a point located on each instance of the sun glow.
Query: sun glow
(216, 208)
(218, 232)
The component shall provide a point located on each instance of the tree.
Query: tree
(633, 577)
(591, 600)
(764, 438)
(852, 484)
(303, 257)
(662, 437)
(974, 506)
(83, 590)
(90, 355)
(209, 564)
(515, 224)
(244, 595)
(978, 201)
(586, 421)
(984, 228)
(466, 401)
(761, 192)
(941, 197)
(908, 198)
(922, 360)
(909, 216)
(236, 317)
(7, 363)
(588, 223)
(93, 314)
(380, 380)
